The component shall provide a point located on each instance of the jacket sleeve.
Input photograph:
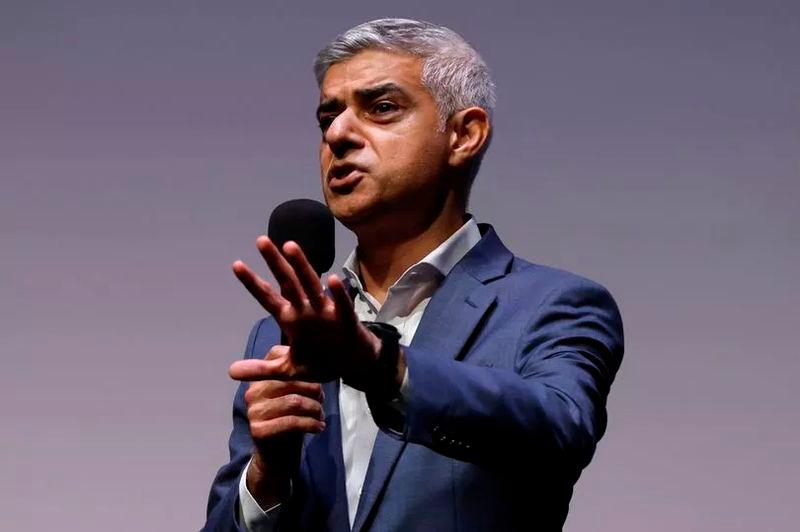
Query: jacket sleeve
(223, 499)
(549, 410)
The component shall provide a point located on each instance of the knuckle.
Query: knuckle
(253, 392)
(257, 430)
(249, 395)
(253, 413)
(277, 351)
(287, 314)
(294, 401)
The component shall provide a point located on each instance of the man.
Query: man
(443, 384)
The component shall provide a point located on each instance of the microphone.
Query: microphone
(310, 224)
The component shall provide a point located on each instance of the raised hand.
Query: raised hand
(284, 399)
(326, 339)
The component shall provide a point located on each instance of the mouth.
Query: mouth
(343, 178)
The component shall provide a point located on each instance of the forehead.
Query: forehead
(369, 68)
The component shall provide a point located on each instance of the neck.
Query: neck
(383, 255)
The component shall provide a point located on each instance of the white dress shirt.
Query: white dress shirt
(405, 302)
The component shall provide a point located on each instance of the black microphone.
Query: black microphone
(310, 224)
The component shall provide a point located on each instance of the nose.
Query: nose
(343, 135)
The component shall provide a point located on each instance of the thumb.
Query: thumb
(256, 370)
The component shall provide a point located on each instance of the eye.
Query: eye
(384, 107)
(325, 121)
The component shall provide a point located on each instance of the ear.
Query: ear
(469, 129)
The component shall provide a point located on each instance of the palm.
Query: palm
(323, 332)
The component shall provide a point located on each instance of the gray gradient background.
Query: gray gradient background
(142, 145)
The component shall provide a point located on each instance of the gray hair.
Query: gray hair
(452, 71)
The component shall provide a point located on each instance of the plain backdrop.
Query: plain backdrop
(650, 146)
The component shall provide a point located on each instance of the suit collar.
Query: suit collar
(486, 260)
(489, 259)
(442, 259)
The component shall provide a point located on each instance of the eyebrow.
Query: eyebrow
(370, 93)
(365, 94)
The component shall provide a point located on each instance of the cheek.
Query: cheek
(424, 159)
(413, 150)
(324, 158)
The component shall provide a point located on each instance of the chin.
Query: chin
(353, 219)
(352, 213)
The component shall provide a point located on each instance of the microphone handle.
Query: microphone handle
(287, 446)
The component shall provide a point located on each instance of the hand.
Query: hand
(327, 341)
(278, 412)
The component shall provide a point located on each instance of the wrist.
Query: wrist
(268, 485)
(383, 375)
(401, 369)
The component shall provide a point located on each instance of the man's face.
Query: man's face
(382, 151)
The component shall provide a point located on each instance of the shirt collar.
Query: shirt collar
(442, 259)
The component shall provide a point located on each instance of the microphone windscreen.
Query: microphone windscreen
(310, 224)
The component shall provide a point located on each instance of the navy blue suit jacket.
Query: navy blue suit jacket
(509, 372)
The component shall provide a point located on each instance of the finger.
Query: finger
(267, 429)
(278, 351)
(269, 389)
(259, 289)
(256, 370)
(282, 354)
(291, 288)
(305, 273)
(344, 305)
(285, 405)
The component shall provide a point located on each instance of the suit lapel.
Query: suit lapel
(453, 315)
(384, 457)
(326, 467)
